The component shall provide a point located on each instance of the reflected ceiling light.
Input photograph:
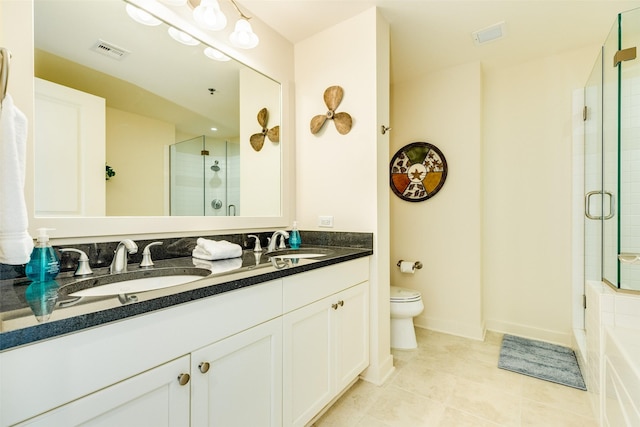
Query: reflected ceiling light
(141, 16)
(243, 35)
(208, 15)
(182, 37)
(216, 54)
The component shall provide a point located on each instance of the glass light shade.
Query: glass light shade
(243, 35)
(174, 2)
(141, 16)
(182, 37)
(216, 54)
(208, 15)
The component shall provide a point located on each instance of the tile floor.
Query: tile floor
(451, 381)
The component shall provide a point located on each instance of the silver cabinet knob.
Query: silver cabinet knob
(204, 367)
(183, 379)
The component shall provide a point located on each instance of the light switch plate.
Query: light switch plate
(325, 221)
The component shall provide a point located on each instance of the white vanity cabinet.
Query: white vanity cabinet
(158, 397)
(326, 340)
(144, 356)
(272, 354)
(238, 381)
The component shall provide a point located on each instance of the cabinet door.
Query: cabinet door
(351, 332)
(154, 398)
(238, 381)
(307, 357)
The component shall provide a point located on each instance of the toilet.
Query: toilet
(405, 305)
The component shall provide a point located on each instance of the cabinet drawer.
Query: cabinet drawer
(305, 288)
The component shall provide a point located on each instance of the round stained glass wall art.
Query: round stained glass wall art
(417, 171)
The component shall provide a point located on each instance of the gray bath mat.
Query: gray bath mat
(541, 360)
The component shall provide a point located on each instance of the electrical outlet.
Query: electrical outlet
(325, 221)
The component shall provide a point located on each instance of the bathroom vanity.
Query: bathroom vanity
(261, 347)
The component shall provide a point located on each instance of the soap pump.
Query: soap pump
(294, 237)
(43, 264)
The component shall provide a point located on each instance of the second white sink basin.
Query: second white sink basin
(136, 285)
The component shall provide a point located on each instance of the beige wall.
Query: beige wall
(443, 232)
(496, 241)
(527, 158)
(136, 148)
(340, 175)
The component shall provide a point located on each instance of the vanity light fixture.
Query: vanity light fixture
(141, 16)
(182, 37)
(208, 15)
(175, 2)
(216, 54)
(243, 35)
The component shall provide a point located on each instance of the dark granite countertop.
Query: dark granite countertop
(20, 326)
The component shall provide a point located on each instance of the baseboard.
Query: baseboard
(554, 337)
(473, 331)
(378, 375)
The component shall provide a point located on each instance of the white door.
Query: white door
(154, 398)
(308, 349)
(238, 381)
(69, 151)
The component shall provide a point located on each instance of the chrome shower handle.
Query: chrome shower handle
(587, 204)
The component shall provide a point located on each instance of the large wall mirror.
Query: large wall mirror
(174, 125)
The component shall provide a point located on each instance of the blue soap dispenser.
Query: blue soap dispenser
(294, 237)
(44, 264)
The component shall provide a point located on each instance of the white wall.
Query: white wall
(443, 232)
(527, 158)
(340, 175)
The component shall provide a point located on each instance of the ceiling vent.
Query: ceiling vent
(110, 50)
(494, 32)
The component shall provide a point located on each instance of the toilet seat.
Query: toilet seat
(399, 295)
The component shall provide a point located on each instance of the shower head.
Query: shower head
(215, 166)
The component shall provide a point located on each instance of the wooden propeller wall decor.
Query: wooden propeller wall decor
(257, 139)
(332, 98)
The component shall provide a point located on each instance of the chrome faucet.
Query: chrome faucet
(119, 263)
(274, 239)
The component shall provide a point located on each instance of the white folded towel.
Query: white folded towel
(219, 266)
(15, 242)
(212, 250)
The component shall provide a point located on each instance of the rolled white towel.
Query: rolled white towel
(212, 250)
(219, 266)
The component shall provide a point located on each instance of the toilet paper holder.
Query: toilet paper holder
(417, 265)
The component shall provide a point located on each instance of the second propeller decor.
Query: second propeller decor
(257, 139)
(332, 98)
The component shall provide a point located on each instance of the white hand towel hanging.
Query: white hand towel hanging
(15, 242)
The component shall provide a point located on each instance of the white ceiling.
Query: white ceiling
(427, 35)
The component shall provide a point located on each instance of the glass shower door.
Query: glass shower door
(187, 175)
(629, 152)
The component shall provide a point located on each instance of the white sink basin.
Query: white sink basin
(136, 285)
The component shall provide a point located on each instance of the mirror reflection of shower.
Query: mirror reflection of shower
(204, 177)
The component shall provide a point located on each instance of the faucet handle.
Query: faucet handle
(257, 247)
(83, 262)
(146, 255)
(283, 242)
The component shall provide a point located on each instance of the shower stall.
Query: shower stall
(204, 176)
(612, 159)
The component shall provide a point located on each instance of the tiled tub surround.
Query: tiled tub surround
(20, 327)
